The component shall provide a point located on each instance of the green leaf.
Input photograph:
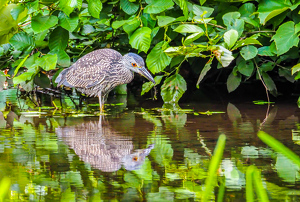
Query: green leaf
(40, 23)
(149, 85)
(164, 20)
(285, 37)
(265, 51)
(204, 71)
(47, 62)
(155, 65)
(173, 88)
(233, 82)
(229, 18)
(118, 24)
(26, 76)
(158, 6)
(224, 56)
(94, 8)
(63, 58)
(186, 28)
(245, 42)
(67, 6)
(295, 68)
(246, 67)
(58, 39)
(22, 42)
(202, 11)
(230, 37)
(141, 39)
(249, 52)
(20, 65)
(271, 8)
(183, 6)
(68, 23)
(269, 83)
(188, 40)
(131, 25)
(15, 12)
(129, 7)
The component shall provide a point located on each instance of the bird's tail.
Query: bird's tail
(61, 79)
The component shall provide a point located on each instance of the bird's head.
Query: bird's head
(136, 64)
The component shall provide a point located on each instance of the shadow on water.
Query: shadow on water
(137, 152)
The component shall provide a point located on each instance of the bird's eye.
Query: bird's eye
(135, 158)
(133, 64)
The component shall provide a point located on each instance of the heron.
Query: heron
(100, 71)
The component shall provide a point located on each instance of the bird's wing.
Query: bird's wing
(92, 68)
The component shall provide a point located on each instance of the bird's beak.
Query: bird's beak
(144, 72)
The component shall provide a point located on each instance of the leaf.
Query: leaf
(271, 8)
(204, 71)
(188, 40)
(129, 7)
(265, 51)
(47, 62)
(22, 42)
(68, 23)
(67, 6)
(285, 37)
(183, 6)
(131, 25)
(186, 28)
(141, 39)
(173, 88)
(15, 12)
(63, 58)
(228, 18)
(20, 65)
(164, 20)
(233, 82)
(26, 76)
(295, 68)
(158, 6)
(230, 37)
(202, 11)
(42, 80)
(249, 52)
(149, 85)
(40, 23)
(94, 8)
(118, 24)
(246, 67)
(269, 83)
(157, 65)
(58, 39)
(246, 42)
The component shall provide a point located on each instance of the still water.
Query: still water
(140, 153)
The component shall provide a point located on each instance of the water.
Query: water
(136, 153)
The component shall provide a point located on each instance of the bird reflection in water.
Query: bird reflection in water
(103, 148)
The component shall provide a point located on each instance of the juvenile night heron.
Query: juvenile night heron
(100, 71)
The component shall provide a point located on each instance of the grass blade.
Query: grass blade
(260, 190)
(4, 187)
(213, 167)
(249, 184)
(279, 147)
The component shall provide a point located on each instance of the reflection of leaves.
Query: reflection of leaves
(162, 152)
(173, 115)
(286, 169)
(233, 113)
(163, 195)
(145, 172)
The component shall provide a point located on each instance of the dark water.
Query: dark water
(138, 153)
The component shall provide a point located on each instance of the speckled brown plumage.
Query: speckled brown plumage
(98, 72)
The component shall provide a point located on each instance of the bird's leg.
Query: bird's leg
(101, 104)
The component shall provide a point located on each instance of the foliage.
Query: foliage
(251, 40)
